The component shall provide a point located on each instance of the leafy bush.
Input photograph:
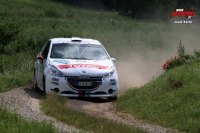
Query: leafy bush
(197, 55)
(176, 61)
(8, 32)
(181, 58)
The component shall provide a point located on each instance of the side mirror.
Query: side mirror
(113, 59)
(41, 59)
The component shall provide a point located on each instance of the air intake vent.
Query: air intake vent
(74, 83)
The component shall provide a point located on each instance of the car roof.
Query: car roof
(75, 40)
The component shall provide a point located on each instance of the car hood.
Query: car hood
(71, 67)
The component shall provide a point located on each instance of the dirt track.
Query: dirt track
(101, 107)
(25, 102)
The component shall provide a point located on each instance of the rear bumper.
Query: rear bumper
(109, 87)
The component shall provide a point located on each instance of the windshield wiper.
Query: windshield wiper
(81, 58)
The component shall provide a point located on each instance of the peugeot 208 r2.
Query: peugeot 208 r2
(76, 67)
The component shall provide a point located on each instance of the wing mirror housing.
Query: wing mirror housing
(41, 59)
(113, 59)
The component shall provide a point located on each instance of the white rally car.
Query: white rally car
(76, 67)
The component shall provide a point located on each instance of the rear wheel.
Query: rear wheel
(112, 98)
(35, 86)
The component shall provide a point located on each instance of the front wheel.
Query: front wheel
(112, 98)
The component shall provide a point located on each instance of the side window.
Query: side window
(45, 51)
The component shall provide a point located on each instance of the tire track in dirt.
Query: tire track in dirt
(101, 107)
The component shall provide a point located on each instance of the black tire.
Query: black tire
(112, 98)
(35, 86)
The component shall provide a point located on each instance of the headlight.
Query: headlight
(111, 72)
(55, 72)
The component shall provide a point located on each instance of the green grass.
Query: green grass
(56, 106)
(172, 100)
(12, 123)
(18, 71)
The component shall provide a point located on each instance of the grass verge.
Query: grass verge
(18, 71)
(55, 106)
(172, 100)
(12, 123)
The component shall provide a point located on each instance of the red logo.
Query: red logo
(183, 13)
(82, 66)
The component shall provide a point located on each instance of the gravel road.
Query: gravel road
(25, 102)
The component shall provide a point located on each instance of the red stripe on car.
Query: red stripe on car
(82, 66)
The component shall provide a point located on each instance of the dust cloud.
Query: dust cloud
(140, 67)
(137, 71)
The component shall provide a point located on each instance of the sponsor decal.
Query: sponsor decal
(84, 93)
(55, 83)
(55, 79)
(112, 80)
(82, 66)
(62, 61)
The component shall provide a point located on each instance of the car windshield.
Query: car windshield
(78, 51)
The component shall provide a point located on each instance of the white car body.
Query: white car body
(76, 77)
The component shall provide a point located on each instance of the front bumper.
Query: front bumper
(108, 87)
